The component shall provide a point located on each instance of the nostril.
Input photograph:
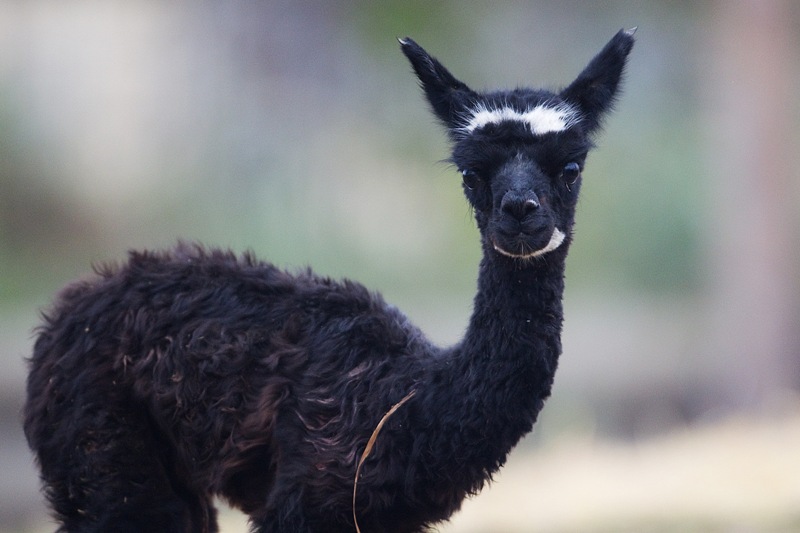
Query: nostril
(519, 206)
(531, 204)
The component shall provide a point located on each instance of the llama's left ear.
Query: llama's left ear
(595, 89)
(449, 97)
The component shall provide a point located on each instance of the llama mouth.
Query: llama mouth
(556, 239)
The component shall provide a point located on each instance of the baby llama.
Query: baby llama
(310, 404)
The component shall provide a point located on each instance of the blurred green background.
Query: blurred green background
(296, 129)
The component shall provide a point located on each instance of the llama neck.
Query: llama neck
(493, 385)
(515, 330)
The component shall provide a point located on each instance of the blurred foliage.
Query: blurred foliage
(247, 181)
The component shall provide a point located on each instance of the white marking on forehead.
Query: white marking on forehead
(540, 119)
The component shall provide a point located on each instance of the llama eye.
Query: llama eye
(571, 172)
(471, 180)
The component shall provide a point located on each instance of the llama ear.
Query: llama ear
(595, 89)
(449, 97)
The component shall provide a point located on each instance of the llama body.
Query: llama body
(191, 373)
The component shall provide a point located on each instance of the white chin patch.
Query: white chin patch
(555, 241)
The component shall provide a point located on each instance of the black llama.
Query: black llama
(194, 373)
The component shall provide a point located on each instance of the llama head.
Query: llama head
(521, 152)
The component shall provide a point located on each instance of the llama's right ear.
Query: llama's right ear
(449, 97)
(596, 88)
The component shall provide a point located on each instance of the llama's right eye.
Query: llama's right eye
(471, 180)
(571, 172)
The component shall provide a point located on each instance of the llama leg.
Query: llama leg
(280, 520)
(285, 512)
(106, 470)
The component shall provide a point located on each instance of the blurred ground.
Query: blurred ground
(738, 476)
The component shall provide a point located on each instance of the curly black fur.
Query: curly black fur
(191, 373)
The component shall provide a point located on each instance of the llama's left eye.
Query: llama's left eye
(571, 172)
(471, 180)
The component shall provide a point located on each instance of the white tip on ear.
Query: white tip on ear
(631, 31)
(402, 40)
